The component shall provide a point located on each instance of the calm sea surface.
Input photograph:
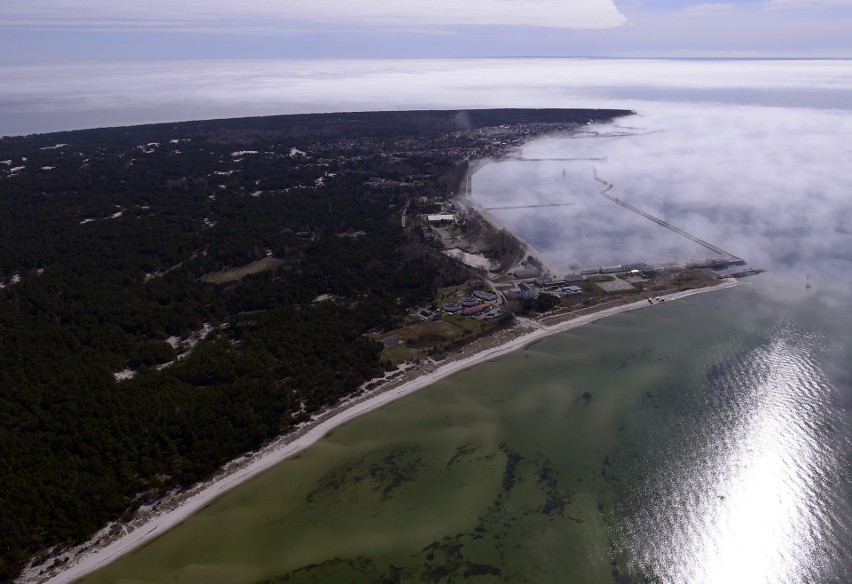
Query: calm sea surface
(704, 440)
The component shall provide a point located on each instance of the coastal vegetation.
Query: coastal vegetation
(174, 295)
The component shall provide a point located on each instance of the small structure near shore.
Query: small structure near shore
(521, 292)
(528, 271)
(441, 218)
(478, 309)
(487, 296)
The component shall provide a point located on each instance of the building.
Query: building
(572, 290)
(611, 269)
(521, 292)
(452, 306)
(487, 296)
(528, 271)
(543, 280)
(478, 309)
(574, 278)
(448, 218)
(467, 302)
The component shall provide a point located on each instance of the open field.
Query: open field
(237, 274)
(424, 338)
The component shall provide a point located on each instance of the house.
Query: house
(528, 271)
(487, 296)
(521, 292)
(478, 309)
(441, 218)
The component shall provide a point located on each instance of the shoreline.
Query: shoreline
(466, 201)
(119, 539)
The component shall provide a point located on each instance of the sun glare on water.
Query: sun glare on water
(743, 508)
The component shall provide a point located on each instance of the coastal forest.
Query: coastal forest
(174, 295)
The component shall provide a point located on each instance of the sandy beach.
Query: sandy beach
(117, 540)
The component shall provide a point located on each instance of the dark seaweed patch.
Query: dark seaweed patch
(531, 493)
(385, 472)
(510, 474)
(395, 470)
(360, 570)
(461, 452)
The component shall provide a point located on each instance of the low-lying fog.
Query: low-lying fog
(770, 185)
(62, 96)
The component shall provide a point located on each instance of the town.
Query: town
(518, 281)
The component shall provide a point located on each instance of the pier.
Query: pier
(658, 221)
(529, 206)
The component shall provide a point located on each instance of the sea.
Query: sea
(703, 440)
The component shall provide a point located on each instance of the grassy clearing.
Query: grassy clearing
(237, 274)
(427, 334)
(470, 326)
(399, 354)
(454, 292)
(599, 278)
(419, 338)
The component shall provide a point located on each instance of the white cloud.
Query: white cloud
(805, 4)
(41, 98)
(285, 84)
(267, 15)
(710, 9)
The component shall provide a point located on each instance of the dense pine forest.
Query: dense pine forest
(174, 295)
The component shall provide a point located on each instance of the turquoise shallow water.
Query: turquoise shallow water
(704, 440)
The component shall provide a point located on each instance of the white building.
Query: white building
(441, 218)
(521, 292)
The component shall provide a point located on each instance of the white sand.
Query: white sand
(474, 260)
(171, 512)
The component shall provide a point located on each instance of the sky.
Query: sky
(73, 64)
(49, 31)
